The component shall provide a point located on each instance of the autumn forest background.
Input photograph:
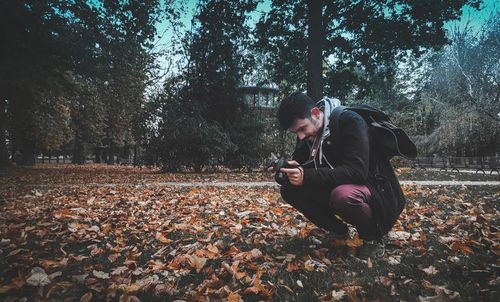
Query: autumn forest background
(160, 82)
(134, 133)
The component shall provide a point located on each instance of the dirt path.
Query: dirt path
(262, 184)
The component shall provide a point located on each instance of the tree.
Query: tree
(462, 88)
(358, 36)
(315, 49)
(202, 108)
(217, 59)
(33, 57)
(4, 154)
(71, 67)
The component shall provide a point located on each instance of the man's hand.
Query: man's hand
(295, 175)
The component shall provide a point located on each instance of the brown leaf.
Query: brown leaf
(292, 267)
(87, 297)
(257, 287)
(6, 288)
(458, 246)
(234, 297)
(165, 289)
(384, 280)
(196, 262)
(255, 254)
(127, 298)
(355, 242)
(160, 237)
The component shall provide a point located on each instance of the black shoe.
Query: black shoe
(374, 249)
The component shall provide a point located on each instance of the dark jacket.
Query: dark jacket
(347, 149)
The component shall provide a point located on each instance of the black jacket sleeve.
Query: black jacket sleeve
(352, 155)
(301, 153)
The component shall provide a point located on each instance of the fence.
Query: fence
(452, 163)
(45, 159)
(42, 159)
(479, 164)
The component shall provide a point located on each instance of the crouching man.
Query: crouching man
(333, 173)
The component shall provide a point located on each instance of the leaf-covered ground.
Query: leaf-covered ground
(130, 243)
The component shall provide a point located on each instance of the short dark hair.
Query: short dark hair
(297, 105)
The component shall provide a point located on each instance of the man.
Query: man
(331, 170)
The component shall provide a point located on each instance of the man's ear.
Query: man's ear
(315, 111)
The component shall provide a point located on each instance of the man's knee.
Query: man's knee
(340, 197)
(345, 196)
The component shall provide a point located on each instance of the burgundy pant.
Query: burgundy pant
(350, 202)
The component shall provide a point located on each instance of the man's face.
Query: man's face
(307, 128)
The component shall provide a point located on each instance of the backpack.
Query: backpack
(390, 139)
(386, 141)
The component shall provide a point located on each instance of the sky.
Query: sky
(164, 39)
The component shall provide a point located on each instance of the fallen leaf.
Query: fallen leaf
(196, 262)
(299, 283)
(86, 297)
(100, 275)
(234, 297)
(458, 246)
(165, 289)
(355, 242)
(442, 295)
(309, 266)
(384, 280)
(14, 252)
(6, 288)
(256, 254)
(160, 237)
(38, 277)
(337, 295)
(431, 270)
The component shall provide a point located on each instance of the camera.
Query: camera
(281, 177)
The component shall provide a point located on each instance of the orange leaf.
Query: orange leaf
(292, 267)
(355, 242)
(234, 297)
(160, 237)
(458, 246)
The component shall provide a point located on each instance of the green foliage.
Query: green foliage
(359, 37)
(251, 136)
(187, 140)
(203, 121)
(217, 58)
(75, 71)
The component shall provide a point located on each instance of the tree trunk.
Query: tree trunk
(135, 155)
(78, 150)
(98, 155)
(316, 36)
(27, 149)
(111, 154)
(4, 155)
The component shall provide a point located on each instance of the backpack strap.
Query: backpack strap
(337, 111)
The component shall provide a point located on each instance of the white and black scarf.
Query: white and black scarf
(327, 105)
